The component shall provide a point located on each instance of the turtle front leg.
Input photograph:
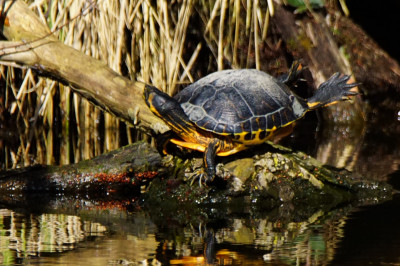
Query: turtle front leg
(209, 158)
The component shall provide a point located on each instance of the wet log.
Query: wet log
(378, 72)
(311, 37)
(328, 40)
(265, 180)
(333, 42)
(118, 173)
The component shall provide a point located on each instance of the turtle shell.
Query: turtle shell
(237, 102)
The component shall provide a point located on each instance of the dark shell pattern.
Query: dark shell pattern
(240, 101)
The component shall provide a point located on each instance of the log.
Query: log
(115, 174)
(332, 43)
(266, 180)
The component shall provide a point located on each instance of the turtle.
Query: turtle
(231, 110)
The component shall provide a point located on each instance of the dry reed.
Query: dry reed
(145, 40)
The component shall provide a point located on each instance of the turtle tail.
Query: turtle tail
(331, 91)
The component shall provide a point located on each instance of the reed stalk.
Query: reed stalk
(141, 39)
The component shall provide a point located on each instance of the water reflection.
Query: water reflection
(130, 239)
(23, 236)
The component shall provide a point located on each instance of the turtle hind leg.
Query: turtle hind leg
(333, 90)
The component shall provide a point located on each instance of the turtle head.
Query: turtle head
(159, 102)
(168, 109)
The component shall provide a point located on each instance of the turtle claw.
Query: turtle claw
(338, 84)
(336, 88)
(200, 175)
(197, 174)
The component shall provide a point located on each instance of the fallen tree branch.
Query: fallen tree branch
(32, 44)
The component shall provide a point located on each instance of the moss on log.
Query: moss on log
(267, 179)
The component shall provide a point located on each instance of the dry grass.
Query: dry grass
(234, 29)
(145, 40)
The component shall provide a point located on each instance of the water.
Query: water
(346, 236)
(371, 237)
(69, 239)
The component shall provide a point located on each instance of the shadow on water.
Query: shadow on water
(373, 236)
